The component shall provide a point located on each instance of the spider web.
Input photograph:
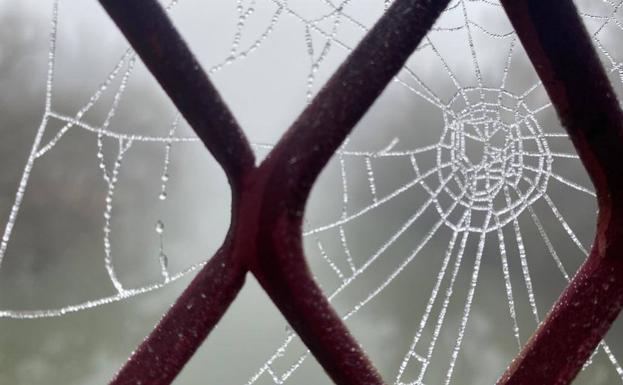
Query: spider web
(496, 163)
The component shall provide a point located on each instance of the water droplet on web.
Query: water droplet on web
(159, 227)
(164, 178)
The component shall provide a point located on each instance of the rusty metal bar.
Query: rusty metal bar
(293, 166)
(561, 51)
(155, 39)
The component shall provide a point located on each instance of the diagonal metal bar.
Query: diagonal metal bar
(562, 53)
(199, 308)
(154, 38)
(307, 146)
(160, 358)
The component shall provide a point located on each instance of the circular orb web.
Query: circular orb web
(493, 159)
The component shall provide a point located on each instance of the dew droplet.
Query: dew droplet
(162, 196)
(159, 227)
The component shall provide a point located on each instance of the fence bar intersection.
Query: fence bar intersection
(268, 201)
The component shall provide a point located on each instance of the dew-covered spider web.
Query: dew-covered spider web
(472, 192)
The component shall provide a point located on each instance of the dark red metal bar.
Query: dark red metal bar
(160, 358)
(314, 137)
(268, 202)
(563, 56)
(295, 163)
(154, 38)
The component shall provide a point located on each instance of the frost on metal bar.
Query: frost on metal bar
(561, 50)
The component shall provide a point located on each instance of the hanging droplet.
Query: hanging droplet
(159, 227)
(162, 196)
(164, 177)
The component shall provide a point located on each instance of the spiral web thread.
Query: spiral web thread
(487, 194)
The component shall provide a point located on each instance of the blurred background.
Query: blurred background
(386, 226)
